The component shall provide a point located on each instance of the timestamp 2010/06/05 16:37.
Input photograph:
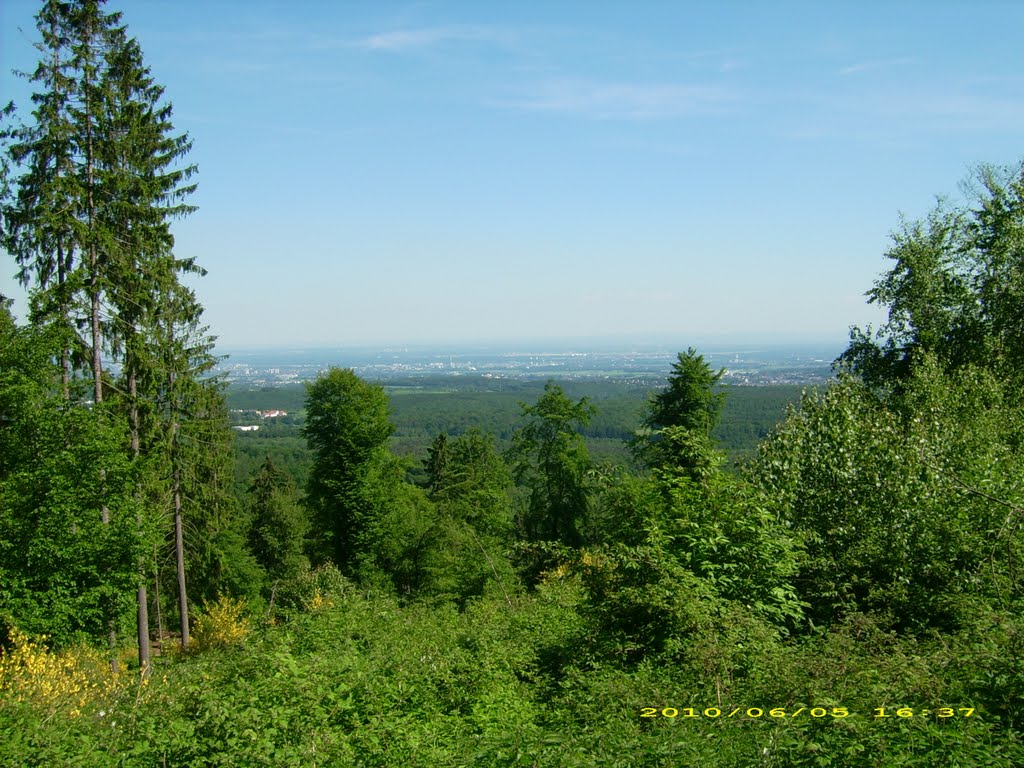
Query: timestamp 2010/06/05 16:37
(753, 713)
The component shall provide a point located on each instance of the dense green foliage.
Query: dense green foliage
(347, 429)
(954, 289)
(907, 506)
(63, 572)
(361, 679)
(279, 525)
(681, 417)
(550, 460)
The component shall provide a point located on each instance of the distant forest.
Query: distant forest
(423, 408)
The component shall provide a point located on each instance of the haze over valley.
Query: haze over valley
(750, 364)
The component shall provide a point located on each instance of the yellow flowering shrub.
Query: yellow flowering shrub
(317, 602)
(54, 681)
(587, 561)
(220, 625)
(596, 561)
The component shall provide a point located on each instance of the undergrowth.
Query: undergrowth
(362, 680)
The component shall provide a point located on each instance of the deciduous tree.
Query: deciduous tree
(279, 524)
(906, 506)
(347, 428)
(551, 461)
(954, 290)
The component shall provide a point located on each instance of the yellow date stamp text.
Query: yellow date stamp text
(754, 713)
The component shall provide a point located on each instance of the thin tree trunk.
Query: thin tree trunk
(94, 296)
(159, 613)
(133, 413)
(65, 361)
(179, 538)
(179, 556)
(97, 338)
(142, 627)
(143, 622)
(94, 267)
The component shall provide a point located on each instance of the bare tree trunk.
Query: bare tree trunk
(143, 622)
(142, 599)
(65, 356)
(159, 614)
(95, 326)
(179, 538)
(133, 413)
(179, 556)
(97, 338)
(96, 329)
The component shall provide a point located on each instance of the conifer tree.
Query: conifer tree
(436, 462)
(184, 356)
(41, 221)
(54, 216)
(98, 178)
(680, 418)
(218, 560)
(145, 191)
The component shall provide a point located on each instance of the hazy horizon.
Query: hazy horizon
(585, 343)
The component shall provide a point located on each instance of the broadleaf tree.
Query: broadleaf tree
(347, 428)
(550, 460)
(955, 288)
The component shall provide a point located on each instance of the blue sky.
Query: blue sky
(375, 172)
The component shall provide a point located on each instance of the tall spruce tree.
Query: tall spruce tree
(146, 190)
(41, 223)
(184, 352)
(680, 418)
(55, 211)
(98, 177)
(217, 556)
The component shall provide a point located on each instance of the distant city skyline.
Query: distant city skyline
(665, 342)
(647, 363)
(456, 172)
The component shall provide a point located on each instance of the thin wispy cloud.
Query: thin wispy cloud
(414, 39)
(633, 101)
(720, 59)
(958, 109)
(905, 115)
(873, 64)
(652, 147)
